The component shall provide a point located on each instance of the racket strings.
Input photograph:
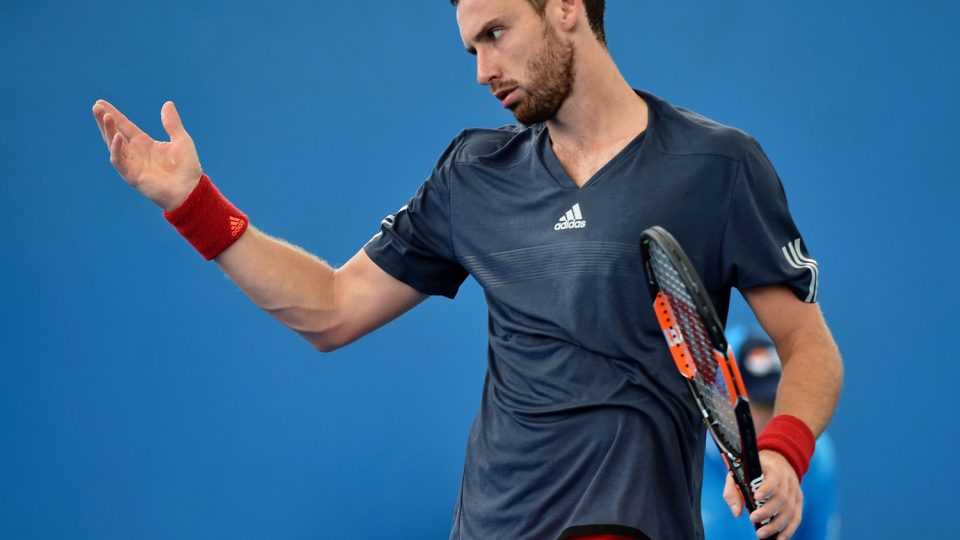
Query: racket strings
(711, 386)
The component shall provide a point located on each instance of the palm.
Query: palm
(164, 172)
(147, 162)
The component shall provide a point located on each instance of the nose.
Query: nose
(487, 67)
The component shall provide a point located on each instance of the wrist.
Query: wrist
(790, 437)
(171, 205)
(208, 220)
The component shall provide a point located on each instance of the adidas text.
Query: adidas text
(577, 224)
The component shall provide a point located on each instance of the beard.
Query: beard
(551, 76)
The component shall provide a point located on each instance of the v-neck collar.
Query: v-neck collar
(563, 178)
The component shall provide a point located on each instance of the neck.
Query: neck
(602, 108)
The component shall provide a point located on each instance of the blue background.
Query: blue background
(143, 396)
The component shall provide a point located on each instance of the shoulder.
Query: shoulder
(679, 131)
(500, 147)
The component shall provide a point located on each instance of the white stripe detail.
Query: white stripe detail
(388, 221)
(796, 259)
(569, 215)
(811, 265)
(576, 211)
(801, 256)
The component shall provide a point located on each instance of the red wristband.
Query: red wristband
(790, 437)
(207, 220)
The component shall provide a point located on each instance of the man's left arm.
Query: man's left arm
(808, 392)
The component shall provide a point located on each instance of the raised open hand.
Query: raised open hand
(164, 172)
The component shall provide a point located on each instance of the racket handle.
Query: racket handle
(751, 456)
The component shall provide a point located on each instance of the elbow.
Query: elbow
(328, 340)
(325, 346)
(323, 331)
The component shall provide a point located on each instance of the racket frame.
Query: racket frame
(745, 467)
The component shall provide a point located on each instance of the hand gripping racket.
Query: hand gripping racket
(695, 337)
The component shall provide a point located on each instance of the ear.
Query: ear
(571, 12)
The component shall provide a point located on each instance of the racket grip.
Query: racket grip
(751, 455)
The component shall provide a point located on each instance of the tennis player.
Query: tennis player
(585, 428)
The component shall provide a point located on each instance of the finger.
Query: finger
(769, 486)
(776, 527)
(128, 128)
(170, 119)
(120, 158)
(782, 512)
(98, 112)
(775, 517)
(772, 530)
(791, 527)
(110, 128)
(796, 516)
(731, 495)
(766, 509)
(116, 152)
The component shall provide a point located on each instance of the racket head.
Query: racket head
(694, 333)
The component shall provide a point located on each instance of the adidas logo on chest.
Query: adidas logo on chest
(572, 219)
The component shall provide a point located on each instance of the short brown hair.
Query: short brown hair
(595, 9)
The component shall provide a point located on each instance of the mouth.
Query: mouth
(505, 96)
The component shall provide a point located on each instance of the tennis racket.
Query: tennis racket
(699, 348)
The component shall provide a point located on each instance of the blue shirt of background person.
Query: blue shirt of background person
(760, 368)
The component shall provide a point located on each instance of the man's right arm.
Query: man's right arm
(329, 307)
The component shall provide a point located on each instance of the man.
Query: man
(760, 368)
(584, 427)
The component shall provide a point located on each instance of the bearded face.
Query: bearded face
(549, 82)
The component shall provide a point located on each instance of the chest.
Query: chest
(496, 212)
(581, 167)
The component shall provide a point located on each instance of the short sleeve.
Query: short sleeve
(415, 244)
(761, 244)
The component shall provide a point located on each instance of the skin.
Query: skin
(761, 415)
(601, 113)
(596, 116)
(328, 307)
(809, 389)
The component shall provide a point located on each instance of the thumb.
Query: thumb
(170, 119)
(731, 495)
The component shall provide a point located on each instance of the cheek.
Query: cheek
(515, 66)
(518, 60)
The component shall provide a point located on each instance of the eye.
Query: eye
(494, 33)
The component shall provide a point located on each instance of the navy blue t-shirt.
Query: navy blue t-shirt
(585, 425)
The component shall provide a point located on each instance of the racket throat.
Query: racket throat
(674, 336)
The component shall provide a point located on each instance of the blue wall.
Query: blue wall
(142, 396)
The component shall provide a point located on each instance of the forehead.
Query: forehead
(473, 15)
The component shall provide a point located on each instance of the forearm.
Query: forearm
(812, 368)
(328, 307)
(295, 287)
(806, 398)
(812, 376)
